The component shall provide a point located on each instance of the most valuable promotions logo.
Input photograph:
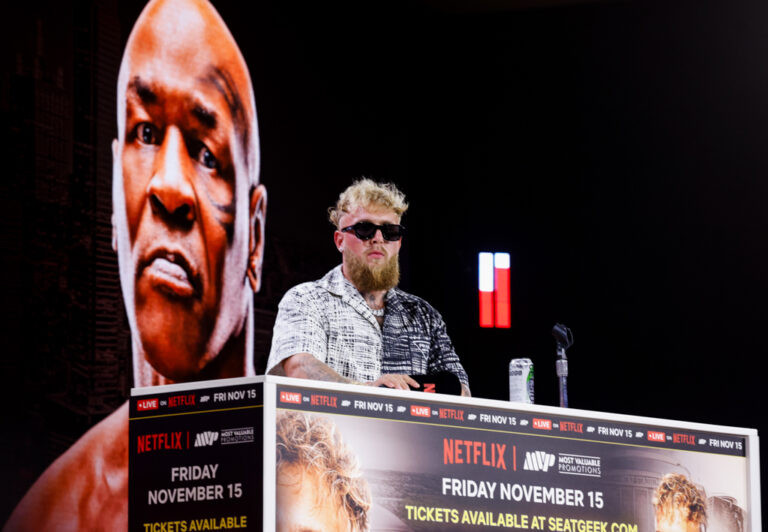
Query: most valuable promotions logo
(206, 439)
(579, 464)
(538, 461)
(567, 464)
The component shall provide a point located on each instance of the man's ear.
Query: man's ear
(257, 218)
(115, 154)
(114, 234)
(338, 238)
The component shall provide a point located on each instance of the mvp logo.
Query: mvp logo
(206, 439)
(538, 461)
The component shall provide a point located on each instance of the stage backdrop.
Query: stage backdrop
(615, 149)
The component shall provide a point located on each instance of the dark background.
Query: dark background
(617, 151)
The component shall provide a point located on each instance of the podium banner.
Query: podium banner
(271, 453)
(464, 466)
(196, 457)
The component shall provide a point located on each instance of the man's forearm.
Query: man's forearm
(305, 366)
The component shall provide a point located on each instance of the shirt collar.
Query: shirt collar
(335, 282)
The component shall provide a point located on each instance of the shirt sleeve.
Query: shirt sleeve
(298, 329)
(442, 356)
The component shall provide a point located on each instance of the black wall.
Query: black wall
(615, 149)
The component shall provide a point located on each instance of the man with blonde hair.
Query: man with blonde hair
(679, 505)
(354, 325)
(319, 483)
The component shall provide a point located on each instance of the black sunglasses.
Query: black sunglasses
(367, 230)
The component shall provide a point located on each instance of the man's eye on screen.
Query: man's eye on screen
(207, 159)
(146, 133)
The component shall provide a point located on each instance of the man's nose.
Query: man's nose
(170, 190)
(378, 237)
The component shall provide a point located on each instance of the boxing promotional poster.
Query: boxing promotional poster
(196, 460)
(410, 465)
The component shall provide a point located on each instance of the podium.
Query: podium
(203, 456)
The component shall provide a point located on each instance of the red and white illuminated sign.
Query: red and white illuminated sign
(495, 308)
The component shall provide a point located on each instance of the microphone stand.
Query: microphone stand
(562, 375)
(564, 340)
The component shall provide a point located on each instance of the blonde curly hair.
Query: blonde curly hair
(676, 493)
(314, 444)
(364, 193)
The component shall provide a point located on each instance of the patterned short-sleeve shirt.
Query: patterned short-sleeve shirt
(330, 320)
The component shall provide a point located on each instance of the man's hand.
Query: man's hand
(393, 380)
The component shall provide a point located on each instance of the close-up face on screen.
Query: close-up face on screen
(188, 162)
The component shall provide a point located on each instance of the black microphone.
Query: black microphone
(564, 340)
(563, 337)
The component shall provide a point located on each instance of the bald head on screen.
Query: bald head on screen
(188, 207)
(188, 229)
